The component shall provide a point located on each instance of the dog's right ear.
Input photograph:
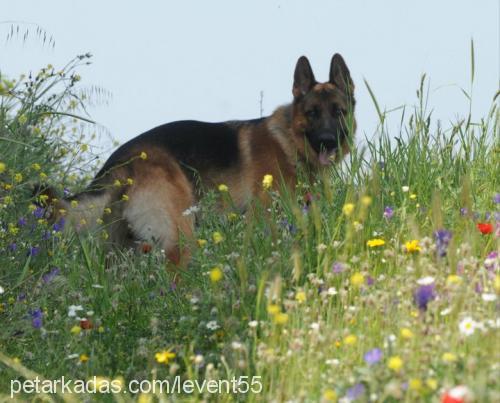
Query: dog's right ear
(303, 79)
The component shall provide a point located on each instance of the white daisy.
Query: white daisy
(428, 280)
(467, 326)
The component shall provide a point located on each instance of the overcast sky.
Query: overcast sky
(209, 60)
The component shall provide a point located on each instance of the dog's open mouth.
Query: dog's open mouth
(326, 156)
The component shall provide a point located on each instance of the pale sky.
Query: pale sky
(209, 60)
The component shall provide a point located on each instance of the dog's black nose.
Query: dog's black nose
(328, 140)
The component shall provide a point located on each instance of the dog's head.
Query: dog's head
(323, 113)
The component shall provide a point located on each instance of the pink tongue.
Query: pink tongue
(324, 158)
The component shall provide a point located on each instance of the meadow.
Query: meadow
(377, 281)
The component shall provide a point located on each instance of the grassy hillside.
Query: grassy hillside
(379, 282)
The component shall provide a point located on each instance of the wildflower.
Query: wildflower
(86, 324)
(143, 156)
(395, 363)
(18, 177)
(33, 251)
(457, 394)
(388, 212)
(267, 182)
(355, 392)
(413, 196)
(329, 395)
(431, 383)
(348, 208)
(2, 290)
(48, 277)
(42, 176)
(453, 279)
(428, 280)
(232, 216)
(488, 297)
(373, 243)
(215, 275)
(449, 357)
(412, 246)
(415, 384)
(338, 267)
(406, 333)
(405, 189)
(467, 326)
(485, 228)
(373, 356)
(84, 358)
(350, 340)
(130, 181)
(107, 210)
(75, 330)
(36, 318)
(73, 309)
(163, 357)
(300, 297)
(423, 295)
(202, 242)
(223, 188)
(125, 198)
(443, 238)
(117, 183)
(36, 167)
(357, 279)
(74, 203)
(3, 167)
(212, 325)
(366, 201)
(496, 198)
(280, 318)
(273, 309)
(217, 237)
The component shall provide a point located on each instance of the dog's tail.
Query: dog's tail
(80, 211)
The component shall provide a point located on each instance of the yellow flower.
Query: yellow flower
(415, 384)
(125, 197)
(144, 156)
(350, 340)
(62, 211)
(99, 221)
(453, 279)
(202, 242)
(107, 210)
(267, 182)
(431, 383)
(163, 357)
(329, 395)
(7, 199)
(348, 208)
(223, 188)
(83, 221)
(117, 183)
(449, 357)
(413, 196)
(130, 181)
(7, 186)
(84, 357)
(215, 274)
(104, 234)
(232, 216)
(74, 203)
(373, 243)
(84, 147)
(22, 119)
(3, 167)
(366, 201)
(496, 283)
(395, 363)
(217, 237)
(412, 246)
(357, 279)
(18, 177)
(76, 330)
(300, 297)
(43, 176)
(406, 333)
(145, 398)
(36, 166)
(273, 309)
(280, 318)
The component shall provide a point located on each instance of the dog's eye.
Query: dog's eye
(312, 113)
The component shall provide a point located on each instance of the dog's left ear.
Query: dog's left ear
(340, 75)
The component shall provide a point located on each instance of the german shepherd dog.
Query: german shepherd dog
(147, 184)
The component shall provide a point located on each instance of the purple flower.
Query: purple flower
(22, 222)
(337, 267)
(443, 238)
(388, 212)
(423, 295)
(39, 212)
(496, 198)
(36, 318)
(355, 392)
(48, 277)
(46, 235)
(59, 225)
(373, 356)
(370, 280)
(66, 192)
(12, 247)
(464, 211)
(33, 251)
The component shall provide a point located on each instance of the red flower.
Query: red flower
(146, 248)
(86, 324)
(457, 394)
(485, 228)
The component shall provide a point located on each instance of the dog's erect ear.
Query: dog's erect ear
(339, 74)
(303, 78)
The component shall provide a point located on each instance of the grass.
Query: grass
(292, 293)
